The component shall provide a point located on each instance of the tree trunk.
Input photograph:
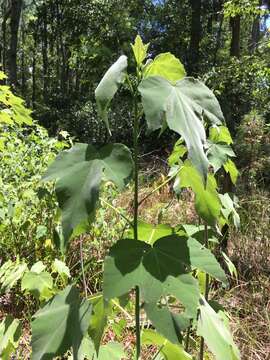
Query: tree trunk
(45, 54)
(255, 35)
(195, 36)
(6, 14)
(15, 15)
(235, 41)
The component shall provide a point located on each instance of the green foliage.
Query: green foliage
(184, 106)
(79, 172)
(167, 66)
(216, 334)
(168, 350)
(10, 332)
(109, 85)
(60, 325)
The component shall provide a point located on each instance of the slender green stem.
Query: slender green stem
(207, 288)
(117, 211)
(82, 266)
(157, 188)
(187, 338)
(135, 223)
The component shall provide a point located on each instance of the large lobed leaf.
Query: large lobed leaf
(159, 270)
(183, 106)
(79, 172)
(60, 325)
(109, 85)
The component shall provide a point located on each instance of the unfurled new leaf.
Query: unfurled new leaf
(109, 85)
(139, 50)
(79, 172)
(183, 106)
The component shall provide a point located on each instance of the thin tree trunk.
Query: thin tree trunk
(218, 39)
(6, 14)
(195, 35)
(255, 35)
(45, 54)
(34, 68)
(235, 40)
(23, 76)
(15, 15)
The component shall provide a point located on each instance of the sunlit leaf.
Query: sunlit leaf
(139, 50)
(217, 336)
(183, 106)
(207, 201)
(230, 168)
(169, 351)
(167, 66)
(109, 85)
(10, 332)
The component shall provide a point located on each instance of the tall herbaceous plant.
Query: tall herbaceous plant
(165, 268)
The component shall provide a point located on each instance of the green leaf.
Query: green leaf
(150, 233)
(10, 273)
(165, 322)
(139, 50)
(183, 106)
(230, 265)
(79, 172)
(219, 154)
(111, 351)
(10, 332)
(98, 320)
(169, 351)
(159, 270)
(109, 85)
(228, 209)
(60, 325)
(220, 134)
(38, 267)
(217, 336)
(61, 269)
(230, 168)
(40, 285)
(207, 201)
(167, 66)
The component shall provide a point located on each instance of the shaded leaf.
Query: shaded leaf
(165, 322)
(79, 172)
(219, 154)
(60, 325)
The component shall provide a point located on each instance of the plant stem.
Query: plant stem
(135, 223)
(117, 211)
(207, 287)
(82, 266)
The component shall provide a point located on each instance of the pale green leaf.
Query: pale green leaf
(109, 85)
(139, 50)
(230, 168)
(167, 66)
(10, 332)
(169, 351)
(217, 336)
(40, 285)
(61, 268)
